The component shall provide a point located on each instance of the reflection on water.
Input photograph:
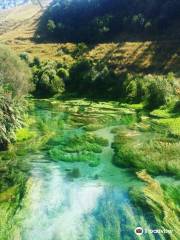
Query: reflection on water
(57, 206)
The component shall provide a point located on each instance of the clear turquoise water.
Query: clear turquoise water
(94, 206)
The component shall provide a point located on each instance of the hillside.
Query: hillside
(94, 21)
(90, 120)
(18, 27)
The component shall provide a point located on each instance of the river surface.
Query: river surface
(93, 206)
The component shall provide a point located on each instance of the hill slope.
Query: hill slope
(18, 26)
(93, 21)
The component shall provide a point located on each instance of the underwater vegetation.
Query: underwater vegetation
(157, 153)
(162, 200)
(76, 147)
(57, 131)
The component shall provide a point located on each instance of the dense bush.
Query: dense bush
(154, 90)
(100, 20)
(159, 92)
(48, 78)
(14, 85)
(81, 76)
(9, 118)
(98, 80)
(15, 75)
(134, 88)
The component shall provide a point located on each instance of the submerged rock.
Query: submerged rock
(74, 173)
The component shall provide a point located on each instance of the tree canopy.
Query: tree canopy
(101, 20)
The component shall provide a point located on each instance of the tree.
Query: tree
(51, 26)
(159, 91)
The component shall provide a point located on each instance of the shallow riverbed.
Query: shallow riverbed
(93, 204)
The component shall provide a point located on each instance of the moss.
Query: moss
(158, 154)
(137, 106)
(99, 140)
(164, 209)
(25, 134)
(161, 113)
(9, 194)
(172, 124)
(92, 127)
(87, 157)
(74, 173)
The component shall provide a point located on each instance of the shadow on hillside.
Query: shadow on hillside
(159, 57)
(145, 54)
(64, 21)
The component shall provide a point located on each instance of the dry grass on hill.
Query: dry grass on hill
(17, 27)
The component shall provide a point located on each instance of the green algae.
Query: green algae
(162, 201)
(87, 157)
(156, 153)
(59, 135)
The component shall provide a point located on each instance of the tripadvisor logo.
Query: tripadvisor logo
(138, 231)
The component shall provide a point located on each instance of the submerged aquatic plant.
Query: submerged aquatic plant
(156, 153)
(87, 157)
(77, 147)
(161, 201)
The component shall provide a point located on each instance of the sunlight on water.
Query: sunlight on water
(58, 207)
(93, 205)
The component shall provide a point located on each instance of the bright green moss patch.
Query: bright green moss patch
(157, 154)
(161, 113)
(77, 147)
(88, 157)
(135, 106)
(172, 124)
(25, 134)
(9, 194)
(162, 201)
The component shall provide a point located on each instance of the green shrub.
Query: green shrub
(24, 56)
(153, 89)
(159, 91)
(80, 76)
(15, 83)
(51, 26)
(80, 49)
(48, 79)
(15, 74)
(63, 74)
(135, 88)
(36, 61)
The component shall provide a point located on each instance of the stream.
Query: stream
(93, 206)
